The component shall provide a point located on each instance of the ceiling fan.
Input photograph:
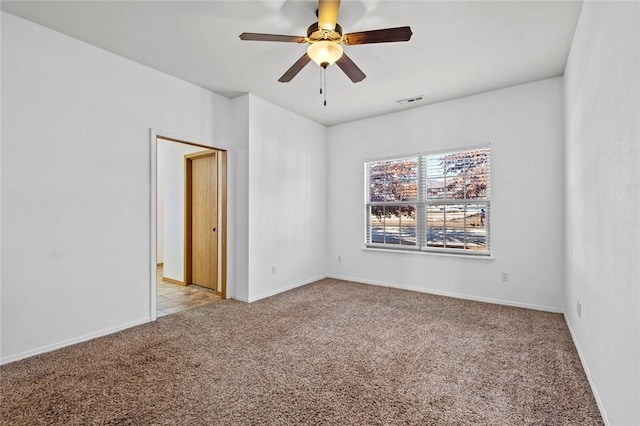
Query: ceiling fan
(325, 38)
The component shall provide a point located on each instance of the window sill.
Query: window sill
(481, 257)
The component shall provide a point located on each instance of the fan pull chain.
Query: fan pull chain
(324, 84)
(321, 71)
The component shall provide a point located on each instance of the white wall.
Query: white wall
(602, 92)
(238, 195)
(171, 165)
(525, 128)
(76, 183)
(287, 199)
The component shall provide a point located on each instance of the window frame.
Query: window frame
(423, 202)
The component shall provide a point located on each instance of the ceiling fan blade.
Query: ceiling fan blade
(386, 35)
(272, 37)
(295, 69)
(350, 68)
(328, 14)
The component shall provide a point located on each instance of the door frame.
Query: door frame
(221, 206)
(153, 208)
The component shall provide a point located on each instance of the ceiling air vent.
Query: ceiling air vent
(410, 100)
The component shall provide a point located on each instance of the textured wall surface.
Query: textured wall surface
(602, 82)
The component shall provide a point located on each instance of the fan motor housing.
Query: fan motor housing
(315, 33)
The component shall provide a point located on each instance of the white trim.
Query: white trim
(585, 367)
(282, 290)
(424, 153)
(240, 299)
(452, 294)
(153, 215)
(167, 136)
(75, 340)
(443, 254)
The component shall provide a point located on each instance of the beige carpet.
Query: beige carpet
(328, 353)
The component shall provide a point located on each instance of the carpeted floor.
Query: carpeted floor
(331, 352)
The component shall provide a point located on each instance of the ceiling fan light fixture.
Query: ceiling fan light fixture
(324, 52)
(325, 37)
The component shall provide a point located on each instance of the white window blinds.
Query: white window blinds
(433, 202)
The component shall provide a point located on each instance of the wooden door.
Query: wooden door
(204, 220)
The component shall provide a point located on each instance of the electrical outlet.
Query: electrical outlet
(273, 269)
(505, 276)
(339, 259)
(579, 309)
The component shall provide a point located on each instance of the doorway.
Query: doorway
(178, 165)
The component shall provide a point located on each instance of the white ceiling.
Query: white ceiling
(457, 49)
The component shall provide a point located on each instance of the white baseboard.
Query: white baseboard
(69, 342)
(241, 299)
(452, 294)
(282, 290)
(587, 372)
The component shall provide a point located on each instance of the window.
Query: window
(433, 202)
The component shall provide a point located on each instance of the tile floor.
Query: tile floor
(172, 298)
